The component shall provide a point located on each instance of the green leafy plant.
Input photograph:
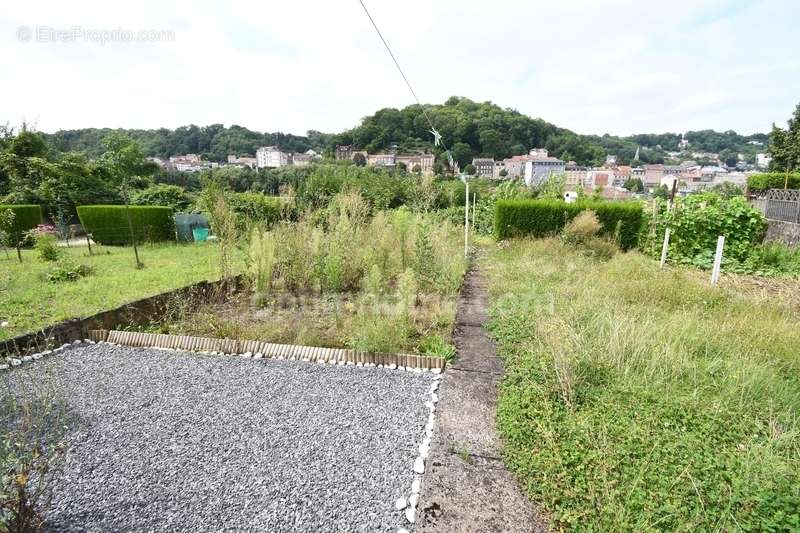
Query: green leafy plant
(45, 241)
(68, 270)
(436, 346)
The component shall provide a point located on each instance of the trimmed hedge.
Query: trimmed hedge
(541, 218)
(772, 180)
(108, 224)
(26, 217)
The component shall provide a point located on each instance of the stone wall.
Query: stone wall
(785, 232)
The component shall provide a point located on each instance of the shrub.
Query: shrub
(772, 180)
(541, 218)
(163, 195)
(68, 271)
(696, 221)
(251, 207)
(108, 224)
(26, 217)
(45, 242)
(582, 228)
(599, 248)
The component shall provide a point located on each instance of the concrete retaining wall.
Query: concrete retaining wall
(785, 232)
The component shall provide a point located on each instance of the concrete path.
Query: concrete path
(466, 486)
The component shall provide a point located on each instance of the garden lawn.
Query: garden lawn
(636, 399)
(29, 302)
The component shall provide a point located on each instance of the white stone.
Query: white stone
(419, 465)
(27, 358)
(3, 367)
(429, 433)
(4, 324)
(411, 514)
(436, 370)
(15, 362)
(434, 397)
(424, 449)
(247, 354)
(402, 530)
(413, 500)
(434, 386)
(77, 341)
(400, 504)
(258, 355)
(47, 352)
(429, 405)
(392, 366)
(37, 356)
(416, 485)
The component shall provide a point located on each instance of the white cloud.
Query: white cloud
(618, 66)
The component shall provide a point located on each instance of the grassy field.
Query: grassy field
(28, 301)
(637, 399)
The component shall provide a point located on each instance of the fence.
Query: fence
(780, 204)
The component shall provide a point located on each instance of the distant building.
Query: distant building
(381, 160)
(652, 175)
(484, 166)
(302, 160)
(423, 161)
(344, 152)
(515, 166)
(539, 166)
(251, 162)
(272, 157)
(611, 160)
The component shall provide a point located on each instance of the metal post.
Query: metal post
(664, 248)
(717, 260)
(466, 220)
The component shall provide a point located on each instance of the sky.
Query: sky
(610, 66)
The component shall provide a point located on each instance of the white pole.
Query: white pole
(717, 260)
(474, 200)
(664, 248)
(466, 221)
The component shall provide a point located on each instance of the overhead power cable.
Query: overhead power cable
(437, 137)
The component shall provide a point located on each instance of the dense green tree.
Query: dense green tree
(469, 169)
(634, 185)
(784, 144)
(359, 160)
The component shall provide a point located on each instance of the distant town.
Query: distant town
(610, 180)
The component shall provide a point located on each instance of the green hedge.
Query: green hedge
(26, 217)
(108, 224)
(540, 218)
(257, 207)
(772, 180)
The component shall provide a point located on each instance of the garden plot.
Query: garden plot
(161, 440)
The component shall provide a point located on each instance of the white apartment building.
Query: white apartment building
(539, 166)
(272, 157)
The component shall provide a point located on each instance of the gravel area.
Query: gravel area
(165, 441)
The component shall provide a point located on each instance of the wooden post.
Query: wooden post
(717, 260)
(130, 227)
(89, 243)
(664, 248)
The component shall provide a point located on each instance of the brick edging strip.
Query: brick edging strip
(259, 349)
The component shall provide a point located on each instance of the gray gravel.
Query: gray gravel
(165, 441)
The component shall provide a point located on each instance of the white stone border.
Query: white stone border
(409, 505)
(13, 362)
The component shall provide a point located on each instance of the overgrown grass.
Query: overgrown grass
(638, 399)
(28, 301)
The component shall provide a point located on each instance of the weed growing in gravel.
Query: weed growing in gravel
(34, 422)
